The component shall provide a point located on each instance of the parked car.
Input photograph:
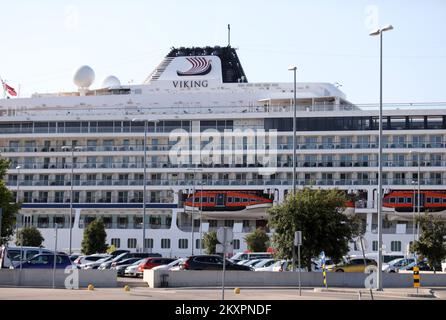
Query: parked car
(373, 255)
(118, 252)
(82, 260)
(95, 264)
(74, 257)
(353, 265)
(46, 261)
(122, 265)
(126, 255)
(396, 264)
(210, 262)
(249, 256)
(132, 270)
(267, 268)
(11, 256)
(173, 264)
(263, 263)
(422, 265)
(152, 262)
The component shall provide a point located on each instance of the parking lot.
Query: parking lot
(258, 293)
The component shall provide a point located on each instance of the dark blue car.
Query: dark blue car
(46, 261)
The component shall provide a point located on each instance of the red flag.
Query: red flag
(10, 90)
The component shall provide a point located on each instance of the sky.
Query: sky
(44, 42)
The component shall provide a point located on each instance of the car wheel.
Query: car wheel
(339, 270)
(392, 271)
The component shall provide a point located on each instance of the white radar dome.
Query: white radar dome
(84, 77)
(111, 81)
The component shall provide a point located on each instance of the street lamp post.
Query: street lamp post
(294, 69)
(70, 224)
(195, 170)
(201, 219)
(379, 193)
(144, 196)
(16, 200)
(419, 191)
(18, 183)
(413, 213)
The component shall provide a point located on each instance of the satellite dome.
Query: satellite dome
(111, 81)
(84, 77)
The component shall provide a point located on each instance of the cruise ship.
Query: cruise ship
(215, 150)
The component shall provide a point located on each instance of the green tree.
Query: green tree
(94, 238)
(319, 215)
(8, 206)
(31, 237)
(257, 241)
(210, 241)
(431, 245)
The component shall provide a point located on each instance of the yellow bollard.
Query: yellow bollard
(237, 290)
(126, 288)
(90, 287)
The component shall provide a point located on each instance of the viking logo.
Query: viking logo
(200, 67)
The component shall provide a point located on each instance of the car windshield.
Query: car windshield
(395, 261)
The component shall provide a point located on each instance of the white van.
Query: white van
(250, 255)
(10, 256)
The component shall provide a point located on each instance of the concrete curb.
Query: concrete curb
(423, 293)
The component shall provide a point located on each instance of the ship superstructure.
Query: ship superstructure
(214, 139)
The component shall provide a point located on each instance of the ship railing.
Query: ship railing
(185, 109)
(308, 163)
(233, 147)
(232, 182)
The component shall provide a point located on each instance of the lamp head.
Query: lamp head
(387, 28)
(375, 33)
(383, 29)
(292, 68)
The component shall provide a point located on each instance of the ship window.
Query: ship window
(165, 243)
(182, 243)
(116, 242)
(397, 123)
(416, 122)
(212, 223)
(236, 244)
(434, 122)
(131, 243)
(395, 246)
(148, 243)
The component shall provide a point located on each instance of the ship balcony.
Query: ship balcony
(348, 163)
(230, 182)
(279, 146)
